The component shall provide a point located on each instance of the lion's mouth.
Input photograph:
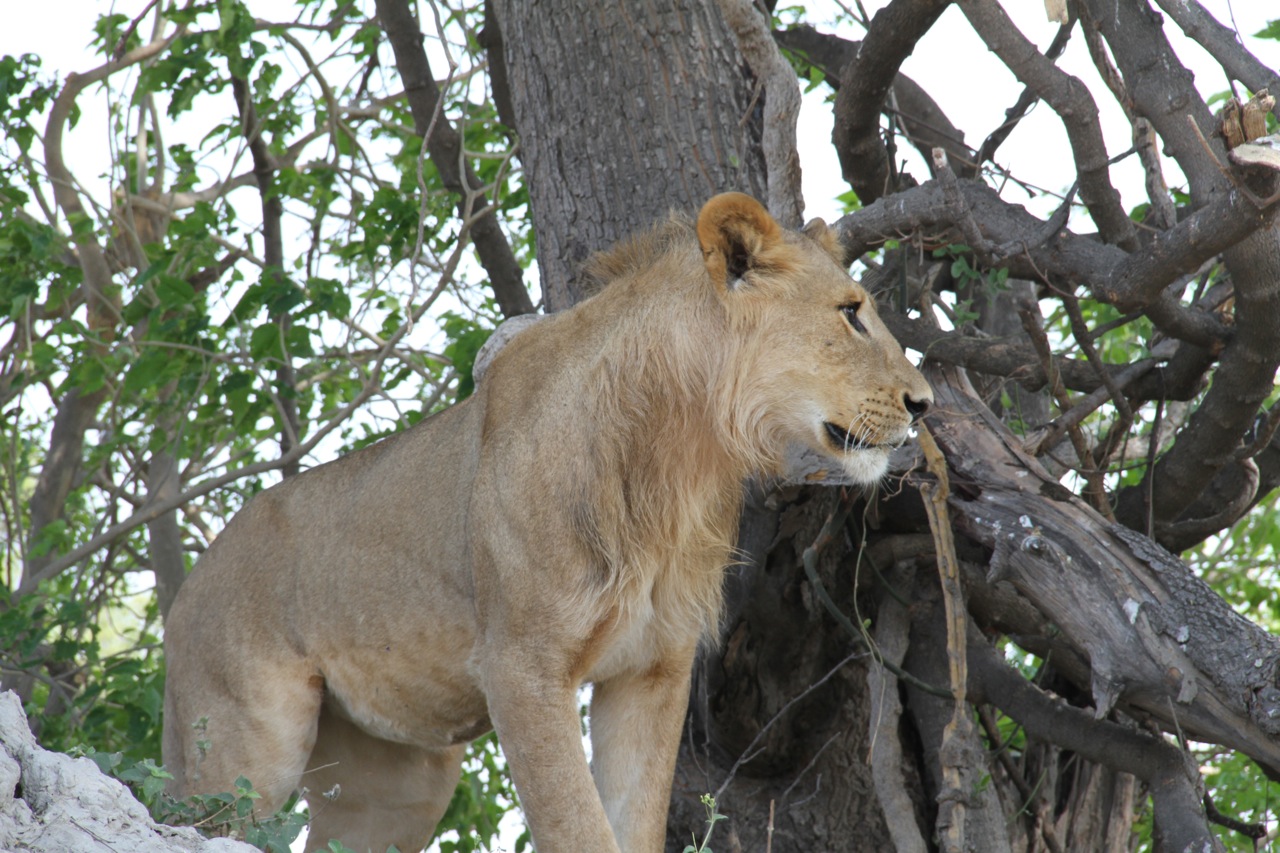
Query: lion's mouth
(844, 439)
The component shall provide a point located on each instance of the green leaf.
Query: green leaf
(265, 341)
(466, 336)
(174, 292)
(148, 371)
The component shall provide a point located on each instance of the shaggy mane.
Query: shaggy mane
(638, 252)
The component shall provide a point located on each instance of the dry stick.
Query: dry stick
(951, 801)
(884, 753)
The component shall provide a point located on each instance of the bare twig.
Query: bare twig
(1095, 486)
(1070, 99)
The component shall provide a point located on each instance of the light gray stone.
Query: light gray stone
(53, 803)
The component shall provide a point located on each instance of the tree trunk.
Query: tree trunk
(625, 111)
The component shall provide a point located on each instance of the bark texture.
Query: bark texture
(625, 112)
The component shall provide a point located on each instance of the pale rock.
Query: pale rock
(53, 803)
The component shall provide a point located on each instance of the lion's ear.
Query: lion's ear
(822, 234)
(734, 229)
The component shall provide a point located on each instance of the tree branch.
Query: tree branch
(781, 108)
(273, 257)
(1222, 44)
(1013, 239)
(1170, 776)
(865, 82)
(922, 120)
(1109, 589)
(1161, 88)
(445, 147)
(1070, 99)
(1026, 100)
(77, 409)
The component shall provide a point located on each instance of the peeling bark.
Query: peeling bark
(1189, 662)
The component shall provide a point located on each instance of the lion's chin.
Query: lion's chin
(867, 466)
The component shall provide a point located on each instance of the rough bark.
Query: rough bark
(1159, 642)
(661, 114)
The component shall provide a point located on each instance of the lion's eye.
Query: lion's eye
(850, 311)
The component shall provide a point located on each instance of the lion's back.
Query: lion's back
(337, 536)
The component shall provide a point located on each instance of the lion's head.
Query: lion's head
(815, 363)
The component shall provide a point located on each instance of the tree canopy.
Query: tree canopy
(312, 217)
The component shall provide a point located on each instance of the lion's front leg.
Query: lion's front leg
(535, 713)
(635, 732)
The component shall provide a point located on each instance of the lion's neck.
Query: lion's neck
(666, 474)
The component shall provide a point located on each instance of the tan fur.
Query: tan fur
(569, 523)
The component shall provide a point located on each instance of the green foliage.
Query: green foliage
(111, 687)
(1240, 790)
(484, 795)
(23, 94)
(970, 279)
(466, 335)
(965, 272)
(226, 814)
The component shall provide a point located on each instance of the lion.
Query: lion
(355, 626)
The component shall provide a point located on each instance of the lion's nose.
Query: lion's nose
(915, 407)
